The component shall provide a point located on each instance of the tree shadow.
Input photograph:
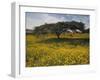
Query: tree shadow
(72, 41)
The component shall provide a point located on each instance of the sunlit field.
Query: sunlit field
(48, 50)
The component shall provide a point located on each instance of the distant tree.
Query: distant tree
(59, 28)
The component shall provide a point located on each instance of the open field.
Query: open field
(47, 50)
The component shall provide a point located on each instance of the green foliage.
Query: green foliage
(59, 28)
(47, 50)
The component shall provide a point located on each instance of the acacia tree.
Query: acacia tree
(59, 28)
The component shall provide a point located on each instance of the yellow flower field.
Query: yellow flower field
(47, 50)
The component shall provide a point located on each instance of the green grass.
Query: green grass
(47, 50)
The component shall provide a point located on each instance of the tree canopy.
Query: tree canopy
(59, 28)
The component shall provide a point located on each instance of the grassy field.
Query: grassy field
(47, 50)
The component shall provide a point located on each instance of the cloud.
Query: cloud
(51, 19)
(36, 19)
(39, 19)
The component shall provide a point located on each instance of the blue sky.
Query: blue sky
(34, 19)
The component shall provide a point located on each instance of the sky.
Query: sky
(33, 19)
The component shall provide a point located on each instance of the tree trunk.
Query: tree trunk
(58, 36)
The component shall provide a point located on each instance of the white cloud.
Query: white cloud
(44, 18)
(52, 19)
(37, 19)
